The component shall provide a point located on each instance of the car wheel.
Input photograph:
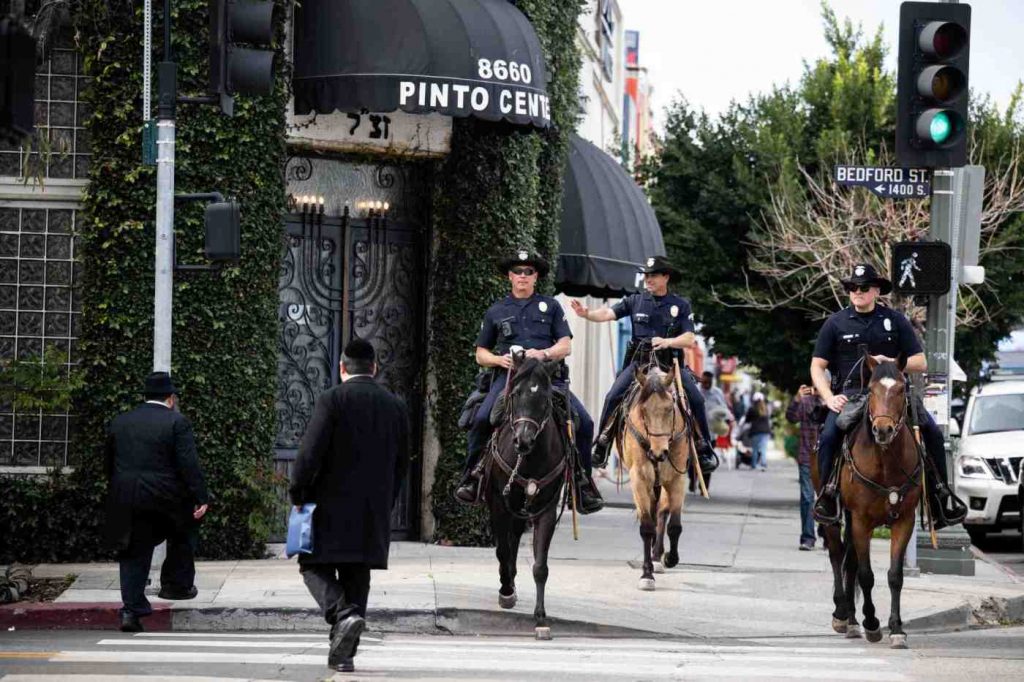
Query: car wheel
(977, 535)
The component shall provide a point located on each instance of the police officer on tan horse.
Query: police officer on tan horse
(537, 324)
(665, 322)
(887, 334)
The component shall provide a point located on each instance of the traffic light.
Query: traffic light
(235, 69)
(17, 79)
(223, 232)
(932, 86)
(921, 268)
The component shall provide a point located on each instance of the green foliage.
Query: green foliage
(499, 189)
(39, 383)
(225, 325)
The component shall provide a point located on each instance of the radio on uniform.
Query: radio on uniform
(921, 268)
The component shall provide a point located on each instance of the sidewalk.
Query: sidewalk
(741, 576)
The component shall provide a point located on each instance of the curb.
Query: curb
(76, 616)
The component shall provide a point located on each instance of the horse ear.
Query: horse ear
(669, 379)
(641, 378)
(901, 361)
(551, 367)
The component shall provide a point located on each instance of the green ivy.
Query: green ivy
(498, 190)
(39, 383)
(225, 324)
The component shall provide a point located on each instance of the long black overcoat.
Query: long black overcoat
(351, 463)
(152, 466)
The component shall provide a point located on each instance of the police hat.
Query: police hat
(159, 383)
(660, 264)
(864, 274)
(524, 257)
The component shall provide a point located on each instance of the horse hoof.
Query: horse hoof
(840, 625)
(897, 641)
(646, 584)
(873, 635)
(658, 567)
(506, 602)
(542, 633)
(853, 631)
(670, 559)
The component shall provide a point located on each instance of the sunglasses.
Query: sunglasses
(862, 288)
(522, 271)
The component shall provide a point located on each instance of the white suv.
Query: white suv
(988, 464)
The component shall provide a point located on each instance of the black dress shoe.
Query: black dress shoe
(177, 595)
(130, 622)
(826, 509)
(468, 492)
(344, 637)
(588, 499)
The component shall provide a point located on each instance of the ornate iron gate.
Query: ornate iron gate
(343, 278)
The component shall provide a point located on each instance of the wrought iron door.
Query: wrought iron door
(343, 278)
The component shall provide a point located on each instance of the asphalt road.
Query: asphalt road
(76, 656)
(1005, 548)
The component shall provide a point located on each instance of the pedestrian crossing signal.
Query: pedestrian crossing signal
(922, 268)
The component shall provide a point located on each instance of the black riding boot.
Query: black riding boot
(826, 509)
(588, 498)
(707, 457)
(468, 491)
(947, 508)
(599, 453)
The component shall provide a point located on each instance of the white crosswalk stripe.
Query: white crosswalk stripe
(505, 658)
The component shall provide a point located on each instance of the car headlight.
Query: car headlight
(973, 467)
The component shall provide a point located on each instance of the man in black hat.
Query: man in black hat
(156, 493)
(887, 334)
(537, 324)
(665, 320)
(351, 463)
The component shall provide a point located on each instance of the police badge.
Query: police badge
(544, 307)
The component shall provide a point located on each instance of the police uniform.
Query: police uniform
(652, 316)
(537, 322)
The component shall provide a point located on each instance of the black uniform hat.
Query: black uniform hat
(660, 264)
(524, 257)
(159, 383)
(864, 274)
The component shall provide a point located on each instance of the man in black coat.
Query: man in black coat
(351, 463)
(156, 493)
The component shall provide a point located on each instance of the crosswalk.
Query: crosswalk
(236, 656)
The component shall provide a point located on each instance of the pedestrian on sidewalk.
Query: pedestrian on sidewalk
(156, 493)
(351, 464)
(720, 421)
(805, 411)
(759, 417)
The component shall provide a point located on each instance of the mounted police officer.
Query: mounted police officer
(537, 324)
(887, 334)
(665, 321)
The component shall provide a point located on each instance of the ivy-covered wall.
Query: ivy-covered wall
(225, 324)
(500, 189)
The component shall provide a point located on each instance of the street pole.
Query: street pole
(164, 263)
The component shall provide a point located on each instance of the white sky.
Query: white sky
(715, 51)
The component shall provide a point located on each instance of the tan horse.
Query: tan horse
(655, 446)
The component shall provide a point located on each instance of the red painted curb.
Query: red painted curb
(77, 616)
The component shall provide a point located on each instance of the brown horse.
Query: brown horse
(655, 448)
(879, 485)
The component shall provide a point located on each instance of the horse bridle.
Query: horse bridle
(645, 442)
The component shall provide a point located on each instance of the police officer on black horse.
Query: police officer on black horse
(887, 334)
(537, 324)
(665, 322)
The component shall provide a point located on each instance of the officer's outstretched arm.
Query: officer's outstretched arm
(604, 314)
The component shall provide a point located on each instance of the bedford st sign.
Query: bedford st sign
(892, 183)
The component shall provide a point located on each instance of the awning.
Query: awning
(608, 227)
(476, 58)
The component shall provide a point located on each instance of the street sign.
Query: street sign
(891, 183)
(921, 268)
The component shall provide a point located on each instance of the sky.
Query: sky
(715, 51)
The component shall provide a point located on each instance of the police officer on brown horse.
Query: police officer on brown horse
(535, 323)
(663, 322)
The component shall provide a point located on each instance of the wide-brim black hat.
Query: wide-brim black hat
(159, 383)
(865, 274)
(526, 258)
(660, 264)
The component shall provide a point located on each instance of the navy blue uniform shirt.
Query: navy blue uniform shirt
(537, 322)
(885, 332)
(665, 316)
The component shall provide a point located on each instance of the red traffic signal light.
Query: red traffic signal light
(932, 85)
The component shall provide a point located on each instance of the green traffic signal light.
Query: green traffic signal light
(940, 128)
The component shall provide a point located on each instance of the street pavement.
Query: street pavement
(741, 576)
(207, 657)
(1006, 549)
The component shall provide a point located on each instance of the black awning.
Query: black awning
(457, 57)
(608, 227)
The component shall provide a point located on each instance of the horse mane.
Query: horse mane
(887, 370)
(652, 386)
(527, 368)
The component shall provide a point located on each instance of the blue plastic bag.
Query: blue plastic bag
(300, 530)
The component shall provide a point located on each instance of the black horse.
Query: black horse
(526, 470)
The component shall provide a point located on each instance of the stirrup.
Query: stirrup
(823, 515)
(588, 497)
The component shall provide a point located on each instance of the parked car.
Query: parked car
(987, 471)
